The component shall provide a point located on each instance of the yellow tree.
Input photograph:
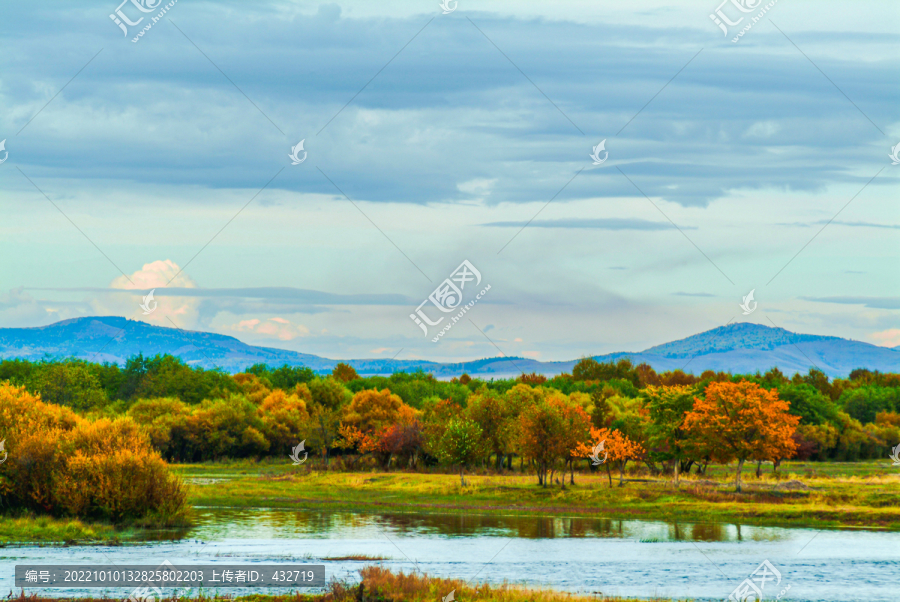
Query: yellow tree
(617, 449)
(741, 421)
(371, 410)
(285, 419)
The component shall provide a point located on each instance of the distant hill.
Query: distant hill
(736, 348)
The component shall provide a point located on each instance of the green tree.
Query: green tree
(667, 436)
(461, 444)
(71, 384)
(329, 393)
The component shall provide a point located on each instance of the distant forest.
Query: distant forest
(192, 414)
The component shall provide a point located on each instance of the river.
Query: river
(585, 555)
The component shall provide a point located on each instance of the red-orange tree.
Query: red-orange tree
(741, 421)
(617, 445)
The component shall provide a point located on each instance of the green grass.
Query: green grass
(44, 529)
(821, 495)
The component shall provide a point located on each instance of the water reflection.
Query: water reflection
(219, 523)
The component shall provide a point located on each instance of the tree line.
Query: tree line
(671, 422)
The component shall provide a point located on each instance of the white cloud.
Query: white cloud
(887, 338)
(273, 328)
(156, 276)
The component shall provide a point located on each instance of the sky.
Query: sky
(615, 175)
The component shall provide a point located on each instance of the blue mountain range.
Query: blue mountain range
(736, 348)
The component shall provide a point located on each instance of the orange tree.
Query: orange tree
(515, 400)
(371, 410)
(617, 445)
(741, 421)
(576, 430)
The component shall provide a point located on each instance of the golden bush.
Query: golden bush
(62, 464)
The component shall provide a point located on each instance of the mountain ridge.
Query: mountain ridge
(738, 348)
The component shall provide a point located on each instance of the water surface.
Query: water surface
(703, 561)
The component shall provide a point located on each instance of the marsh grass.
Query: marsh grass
(855, 494)
(45, 529)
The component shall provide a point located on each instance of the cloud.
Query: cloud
(274, 293)
(609, 223)
(156, 276)
(887, 338)
(842, 223)
(273, 328)
(873, 302)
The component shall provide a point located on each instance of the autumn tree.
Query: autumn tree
(371, 410)
(344, 372)
(547, 434)
(253, 387)
(618, 449)
(576, 430)
(515, 400)
(741, 421)
(533, 379)
(285, 418)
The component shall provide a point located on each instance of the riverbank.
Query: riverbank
(830, 495)
(817, 495)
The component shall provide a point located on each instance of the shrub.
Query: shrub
(62, 464)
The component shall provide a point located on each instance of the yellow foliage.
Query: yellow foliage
(62, 464)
